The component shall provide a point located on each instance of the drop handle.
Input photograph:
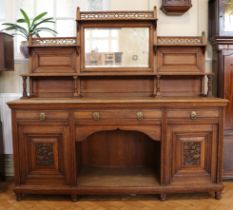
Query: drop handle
(96, 116)
(42, 116)
(139, 116)
(193, 115)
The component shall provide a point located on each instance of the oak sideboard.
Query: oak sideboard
(117, 110)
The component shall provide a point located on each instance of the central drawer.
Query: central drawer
(118, 114)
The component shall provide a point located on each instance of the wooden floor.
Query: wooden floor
(174, 202)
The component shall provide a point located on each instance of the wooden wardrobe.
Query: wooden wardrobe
(221, 38)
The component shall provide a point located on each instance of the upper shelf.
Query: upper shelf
(53, 42)
(161, 41)
(171, 56)
(117, 74)
(182, 41)
(117, 15)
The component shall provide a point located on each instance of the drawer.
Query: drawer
(42, 115)
(118, 114)
(193, 113)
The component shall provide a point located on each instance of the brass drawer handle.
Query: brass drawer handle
(140, 116)
(96, 116)
(42, 116)
(193, 115)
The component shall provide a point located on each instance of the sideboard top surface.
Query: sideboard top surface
(162, 101)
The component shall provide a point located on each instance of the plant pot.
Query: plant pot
(24, 49)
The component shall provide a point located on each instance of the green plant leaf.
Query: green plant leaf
(45, 29)
(32, 27)
(37, 30)
(27, 20)
(38, 17)
(20, 21)
(16, 27)
(14, 34)
(47, 20)
(37, 35)
(10, 28)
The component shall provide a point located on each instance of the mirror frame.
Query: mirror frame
(112, 25)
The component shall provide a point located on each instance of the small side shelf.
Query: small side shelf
(120, 74)
(89, 84)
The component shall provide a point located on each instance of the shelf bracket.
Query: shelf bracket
(210, 86)
(78, 50)
(158, 85)
(155, 48)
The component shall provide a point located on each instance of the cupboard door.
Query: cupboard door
(42, 154)
(193, 152)
(225, 91)
(228, 84)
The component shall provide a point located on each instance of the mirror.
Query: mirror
(116, 47)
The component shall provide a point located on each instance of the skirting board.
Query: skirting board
(6, 165)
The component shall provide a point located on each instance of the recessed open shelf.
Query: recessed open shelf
(122, 160)
(129, 177)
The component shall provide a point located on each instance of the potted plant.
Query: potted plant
(29, 28)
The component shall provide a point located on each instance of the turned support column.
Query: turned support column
(158, 85)
(76, 86)
(155, 88)
(25, 94)
(210, 86)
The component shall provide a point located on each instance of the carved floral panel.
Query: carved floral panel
(192, 153)
(44, 154)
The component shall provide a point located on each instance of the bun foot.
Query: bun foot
(218, 195)
(163, 197)
(74, 198)
(19, 196)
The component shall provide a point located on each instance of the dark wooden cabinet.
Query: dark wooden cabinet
(139, 124)
(2, 160)
(221, 37)
(6, 52)
(220, 15)
(6, 63)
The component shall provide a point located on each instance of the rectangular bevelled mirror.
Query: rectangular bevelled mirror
(124, 47)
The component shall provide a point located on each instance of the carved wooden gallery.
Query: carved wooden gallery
(133, 116)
